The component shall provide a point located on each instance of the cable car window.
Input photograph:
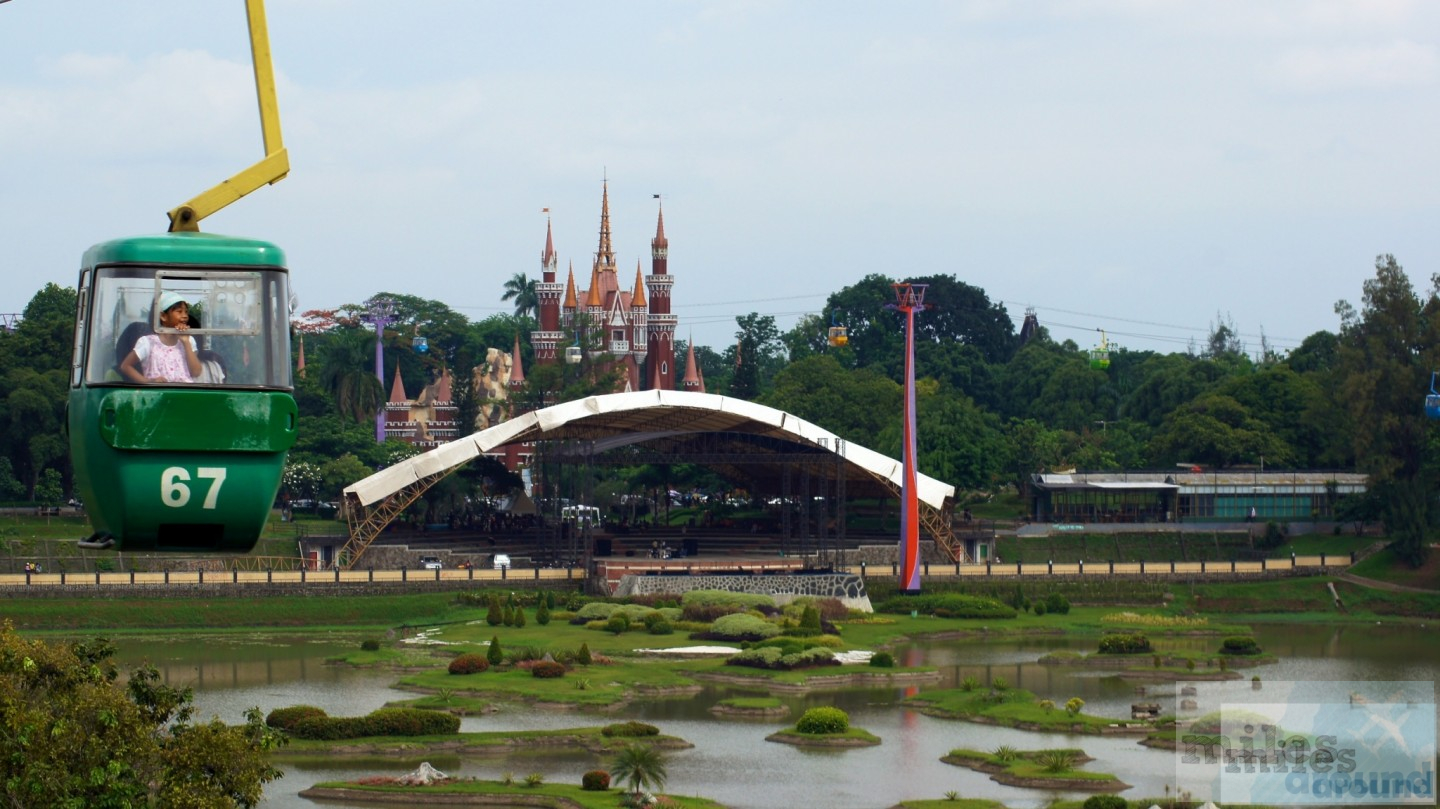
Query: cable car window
(77, 356)
(238, 319)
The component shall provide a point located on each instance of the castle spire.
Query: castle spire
(548, 258)
(592, 298)
(660, 242)
(571, 299)
(397, 390)
(637, 299)
(605, 256)
(692, 380)
(517, 368)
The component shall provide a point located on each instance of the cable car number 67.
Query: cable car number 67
(175, 493)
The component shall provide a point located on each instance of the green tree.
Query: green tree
(957, 314)
(32, 414)
(495, 656)
(347, 373)
(757, 355)
(341, 472)
(1217, 431)
(521, 289)
(1387, 351)
(1031, 448)
(10, 486)
(642, 766)
(855, 405)
(50, 490)
(43, 338)
(1290, 406)
(75, 736)
(957, 441)
(1317, 352)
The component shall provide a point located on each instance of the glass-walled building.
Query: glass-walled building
(1222, 496)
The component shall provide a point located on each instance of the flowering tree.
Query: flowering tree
(301, 479)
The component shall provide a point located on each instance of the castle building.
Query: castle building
(428, 420)
(634, 326)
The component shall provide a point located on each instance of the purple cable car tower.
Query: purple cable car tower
(908, 298)
(381, 314)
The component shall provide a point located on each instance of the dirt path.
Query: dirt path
(1381, 585)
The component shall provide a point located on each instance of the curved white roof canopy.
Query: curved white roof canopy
(671, 422)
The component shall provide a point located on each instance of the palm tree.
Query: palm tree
(348, 374)
(641, 765)
(521, 288)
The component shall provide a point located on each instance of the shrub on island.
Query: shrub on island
(285, 718)
(1239, 646)
(469, 663)
(629, 730)
(595, 781)
(882, 660)
(383, 722)
(1133, 643)
(742, 626)
(547, 670)
(771, 657)
(823, 720)
(706, 606)
(594, 611)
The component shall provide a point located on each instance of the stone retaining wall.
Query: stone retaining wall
(875, 555)
(849, 588)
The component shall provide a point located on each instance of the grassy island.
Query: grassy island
(1036, 769)
(586, 739)
(1016, 708)
(750, 707)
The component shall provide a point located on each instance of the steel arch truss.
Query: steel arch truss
(367, 523)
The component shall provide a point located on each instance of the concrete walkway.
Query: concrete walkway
(1046, 529)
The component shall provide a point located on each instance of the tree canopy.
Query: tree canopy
(75, 736)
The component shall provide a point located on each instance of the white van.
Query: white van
(501, 560)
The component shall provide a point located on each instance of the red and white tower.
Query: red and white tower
(660, 339)
(547, 339)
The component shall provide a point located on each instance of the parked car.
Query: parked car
(431, 562)
(501, 560)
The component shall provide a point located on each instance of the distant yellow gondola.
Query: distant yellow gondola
(838, 335)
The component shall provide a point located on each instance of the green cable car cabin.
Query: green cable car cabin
(176, 463)
(1100, 354)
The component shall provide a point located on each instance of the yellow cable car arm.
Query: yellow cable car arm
(276, 163)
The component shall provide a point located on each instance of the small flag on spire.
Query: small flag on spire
(544, 210)
(657, 196)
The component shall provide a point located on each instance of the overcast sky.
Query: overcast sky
(1138, 166)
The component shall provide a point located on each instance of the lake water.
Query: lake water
(732, 763)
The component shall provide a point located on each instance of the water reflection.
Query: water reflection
(731, 761)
